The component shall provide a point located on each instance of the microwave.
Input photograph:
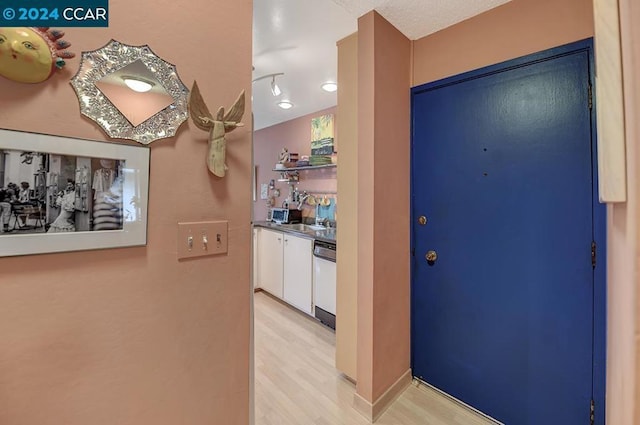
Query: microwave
(285, 215)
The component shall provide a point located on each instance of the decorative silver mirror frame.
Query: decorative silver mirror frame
(96, 64)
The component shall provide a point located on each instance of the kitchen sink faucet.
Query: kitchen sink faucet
(302, 199)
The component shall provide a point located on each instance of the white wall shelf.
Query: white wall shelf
(309, 167)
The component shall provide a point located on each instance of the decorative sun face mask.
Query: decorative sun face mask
(30, 54)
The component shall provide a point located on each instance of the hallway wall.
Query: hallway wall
(132, 335)
(514, 29)
(384, 79)
(627, 237)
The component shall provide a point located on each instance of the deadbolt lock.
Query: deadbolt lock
(422, 220)
(431, 256)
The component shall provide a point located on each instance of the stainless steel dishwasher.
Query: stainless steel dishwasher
(324, 282)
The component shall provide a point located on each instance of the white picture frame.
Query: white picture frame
(97, 190)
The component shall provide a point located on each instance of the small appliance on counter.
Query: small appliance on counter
(285, 215)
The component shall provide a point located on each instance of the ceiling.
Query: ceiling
(298, 38)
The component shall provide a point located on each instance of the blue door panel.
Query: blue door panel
(502, 169)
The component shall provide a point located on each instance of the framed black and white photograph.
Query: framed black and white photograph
(65, 194)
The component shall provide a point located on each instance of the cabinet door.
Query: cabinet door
(256, 258)
(270, 262)
(298, 254)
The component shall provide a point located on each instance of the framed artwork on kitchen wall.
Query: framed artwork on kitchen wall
(322, 135)
(64, 194)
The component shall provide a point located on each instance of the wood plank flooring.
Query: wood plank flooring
(296, 382)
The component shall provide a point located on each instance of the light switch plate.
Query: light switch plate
(200, 238)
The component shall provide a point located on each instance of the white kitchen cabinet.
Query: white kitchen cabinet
(283, 266)
(298, 272)
(255, 250)
(270, 261)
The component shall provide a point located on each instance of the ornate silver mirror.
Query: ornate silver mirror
(131, 93)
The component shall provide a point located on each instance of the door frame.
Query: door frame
(599, 210)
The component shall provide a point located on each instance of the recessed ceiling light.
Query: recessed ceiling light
(329, 86)
(285, 104)
(137, 84)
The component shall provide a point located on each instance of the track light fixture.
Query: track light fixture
(275, 90)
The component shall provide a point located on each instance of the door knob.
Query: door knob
(431, 256)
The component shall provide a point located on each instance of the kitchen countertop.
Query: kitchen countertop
(326, 235)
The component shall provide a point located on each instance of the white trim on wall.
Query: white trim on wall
(612, 184)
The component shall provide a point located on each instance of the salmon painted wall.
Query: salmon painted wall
(630, 10)
(366, 174)
(295, 135)
(623, 242)
(131, 335)
(623, 232)
(514, 29)
(392, 115)
(347, 255)
(384, 73)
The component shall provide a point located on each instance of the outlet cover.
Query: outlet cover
(200, 238)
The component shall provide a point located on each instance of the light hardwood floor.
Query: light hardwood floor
(296, 382)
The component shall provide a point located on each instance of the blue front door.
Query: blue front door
(503, 317)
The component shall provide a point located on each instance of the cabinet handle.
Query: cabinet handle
(279, 239)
